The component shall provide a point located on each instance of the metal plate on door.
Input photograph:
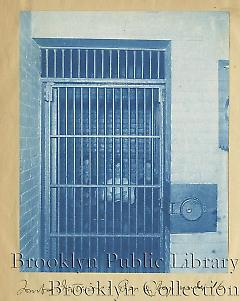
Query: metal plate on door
(193, 208)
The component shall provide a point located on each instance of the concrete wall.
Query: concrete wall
(29, 142)
(199, 40)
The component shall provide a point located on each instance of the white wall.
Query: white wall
(199, 40)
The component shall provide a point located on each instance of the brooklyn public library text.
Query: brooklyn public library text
(146, 260)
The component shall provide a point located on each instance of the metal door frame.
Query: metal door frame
(49, 84)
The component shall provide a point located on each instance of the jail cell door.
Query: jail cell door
(104, 174)
(106, 177)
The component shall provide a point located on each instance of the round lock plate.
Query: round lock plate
(191, 209)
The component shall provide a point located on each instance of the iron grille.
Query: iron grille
(103, 63)
(104, 156)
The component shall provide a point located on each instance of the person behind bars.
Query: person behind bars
(114, 193)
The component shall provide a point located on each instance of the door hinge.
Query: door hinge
(48, 92)
(161, 95)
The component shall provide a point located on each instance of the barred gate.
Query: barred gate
(104, 157)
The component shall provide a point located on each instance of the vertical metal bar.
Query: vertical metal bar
(79, 63)
(86, 63)
(158, 64)
(90, 162)
(160, 134)
(126, 73)
(144, 160)
(121, 160)
(118, 64)
(49, 168)
(121, 181)
(71, 64)
(94, 63)
(55, 63)
(105, 168)
(150, 64)
(161, 161)
(81, 152)
(113, 160)
(53, 174)
(136, 159)
(105, 160)
(66, 169)
(63, 71)
(97, 129)
(152, 151)
(102, 52)
(47, 67)
(129, 156)
(134, 64)
(142, 63)
(74, 167)
(110, 63)
(58, 169)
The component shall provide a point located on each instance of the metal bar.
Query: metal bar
(161, 161)
(47, 71)
(134, 64)
(81, 152)
(79, 63)
(150, 64)
(105, 162)
(97, 129)
(94, 63)
(90, 159)
(118, 64)
(121, 160)
(104, 235)
(110, 63)
(49, 168)
(160, 146)
(97, 154)
(74, 166)
(53, 174)
(152, 174)
(113, 159)
(90, 163)
(106, 136)
(102, 53)
(144, 160)
(142, 52)
(136, 146)
(105, 48)
(110, 82)
(103, 186)
(86, 66)
(158, 64)
(55, 63)
(63, 69)
(66, 167)
(126, 64)
(71, 65)
(58, 166)
(129, 158)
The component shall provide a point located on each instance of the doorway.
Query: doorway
(106, 148)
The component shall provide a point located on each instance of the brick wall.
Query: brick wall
(29, 141)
